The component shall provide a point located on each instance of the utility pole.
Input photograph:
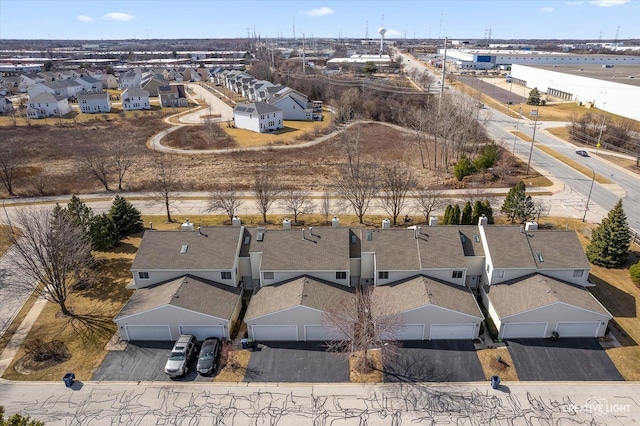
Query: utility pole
(586, 207)
(304, 68)
(533, 139)
(604, 117)
(444, 66)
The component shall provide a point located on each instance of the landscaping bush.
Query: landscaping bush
(491, 327)
(463, 168)
(634, 271)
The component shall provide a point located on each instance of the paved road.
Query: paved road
(149, 403)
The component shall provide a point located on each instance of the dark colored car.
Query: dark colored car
(209, 356)
(582, 153)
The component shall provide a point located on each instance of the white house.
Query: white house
(89, 83)
(67, 88)
(109, 81)
(294, 105)
(94, 101)
(47, 105)
(135, 98)
(258, 117)
(131, 78)
(6, 106)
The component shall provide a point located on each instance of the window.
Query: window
(383, 275)
(578, 273)
(456, 274)
(143, 275)
(267, 275)
(341, 275)
(225, 275)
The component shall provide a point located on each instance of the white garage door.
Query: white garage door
(148, 332)
(275, 332)
(523, 330)
(319, 333)
(452, 331)
(411, 332)
(578, 329)
(201, 332)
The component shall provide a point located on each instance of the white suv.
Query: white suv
(180, 355)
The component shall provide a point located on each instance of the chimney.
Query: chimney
(286, 224)
(335, 222)
(304, 237)
(386, 224)
(531, 226)
(483, 221)
(433, 221)
(151, 225)
(236, 221)
(187, 226)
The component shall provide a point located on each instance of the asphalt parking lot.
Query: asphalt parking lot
(143, 361)
(296, 362)
(434, 361)
(564, 360)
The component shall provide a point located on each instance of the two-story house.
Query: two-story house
(135, 98)
(94, 101)
(259, 117)
(47, 105)
(173, 96)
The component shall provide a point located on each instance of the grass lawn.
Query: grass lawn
(5, 238)
(375, 375)
(293, 132)
(87, 332)
(492, 367)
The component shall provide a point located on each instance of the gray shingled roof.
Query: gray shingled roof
(509, 247)
(285, 250)
(134, 91)
(302, 291)
(422, 291)
(188, 292)
(258, 107)
(535, 291)
(441, 247)
(46, 97)
(395, 249)
(471, 240)
(92, 94)
(215, 249)
(560, 249)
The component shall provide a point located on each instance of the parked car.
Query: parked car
(180, 355)
(209, 356)
(582, 153)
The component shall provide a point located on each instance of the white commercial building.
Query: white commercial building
(615, 89)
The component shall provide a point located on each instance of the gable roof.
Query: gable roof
(301, 291)
(46, 97)
(535, 291)
(395, 249)
(215, 249)
(440, 247)
(508, 247)
(134, 91)
(421, 291)
(326, 249)
(92, 94)
(258, 107)
(471, 240)
(188, 292)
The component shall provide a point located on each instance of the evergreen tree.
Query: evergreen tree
(477, 212)
(463, 167)
(534, 97)
(518, 205)
(127, 218)
(18, 420)
(81, 215)
(488, 212)
(467, 214)
(609, 246)
(489, 156)
(455, 215)
(103, 233)
(446, 220)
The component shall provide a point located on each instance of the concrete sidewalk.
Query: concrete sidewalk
(20, 335)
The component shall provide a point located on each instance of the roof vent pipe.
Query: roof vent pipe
(335, 222)
(304, 237)
(483, 221)
(311, 231)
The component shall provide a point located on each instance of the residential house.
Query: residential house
(49, 75)
(12, 83)
(131, 78)
(6, 106)
(294, 105)
(535, 283)
(47, 105)
(258, 117)
(109, 81)
(152, 85)
(173, 96)
(27, 81)
(67, 88)
(191, 74)
(94, 101)
(135, 98)
(89, 83)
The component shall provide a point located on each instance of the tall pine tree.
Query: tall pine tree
(455, 215)
(609, 246)
(126, 217)
(518, 206)
(467, 214)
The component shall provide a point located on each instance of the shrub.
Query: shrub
(463, 168)
(634, 271)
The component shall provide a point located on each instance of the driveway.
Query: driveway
(296, 362)
(564, 360)
(143, 361)
(434, 361)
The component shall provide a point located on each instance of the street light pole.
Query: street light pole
(604, 117)
(515, 134)
(533, 139)
(586, 207)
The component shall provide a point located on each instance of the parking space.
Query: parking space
(143, 361)
(296, 362)
(434, 361)
(563, 360)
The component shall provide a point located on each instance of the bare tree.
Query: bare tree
(297, 202)
(11, 159)
(165, 184)
(227, 201)
(360, 324)
(99, 166)
(397, 181)
(418, 120)
(325, 206)
(122, 162)
(541, 208)
(427, 200)
(52, 252)
(265, 190)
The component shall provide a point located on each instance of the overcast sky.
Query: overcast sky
(507, 19)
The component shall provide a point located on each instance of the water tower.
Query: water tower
(382, 31)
